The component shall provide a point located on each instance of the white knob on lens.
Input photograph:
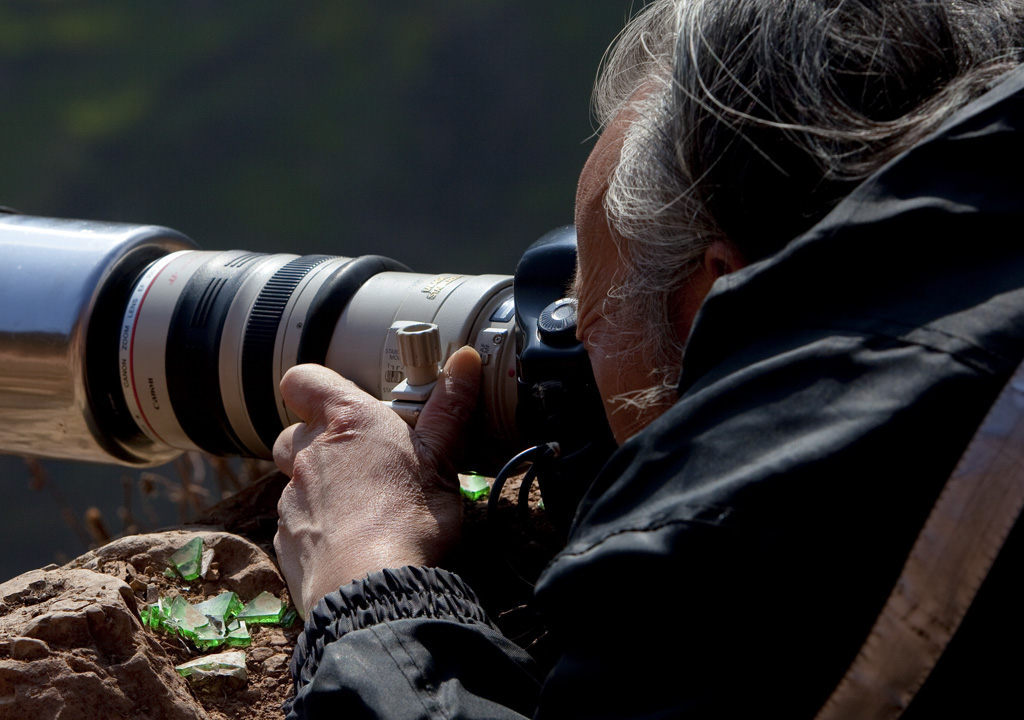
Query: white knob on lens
(419, 346)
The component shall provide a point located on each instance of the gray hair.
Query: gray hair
(751, 119)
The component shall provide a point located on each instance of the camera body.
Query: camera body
(126, 344)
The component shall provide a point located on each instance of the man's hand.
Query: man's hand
(367, 491)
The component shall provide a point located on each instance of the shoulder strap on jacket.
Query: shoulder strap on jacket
(967, 527)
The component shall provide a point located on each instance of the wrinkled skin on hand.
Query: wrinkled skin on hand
(367, 492)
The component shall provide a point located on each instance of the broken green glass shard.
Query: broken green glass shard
(144, 615)
(221, 608)
(226, 663)
(187, 560)
(238, 634)
(207, 637)
(263, 609)
(158, 613)
(219, 620)
(474, 486)
(174, 609)
(184, 618)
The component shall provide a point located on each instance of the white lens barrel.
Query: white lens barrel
(122, 343)
(468, 310)
(207, 336)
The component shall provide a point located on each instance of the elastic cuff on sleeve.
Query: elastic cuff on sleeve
(384, 596)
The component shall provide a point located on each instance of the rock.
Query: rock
(75, 648)
(242, 566)
(72, 644)
(258, 655)
(276, 663)
(216, 673)
(277, 637)
(27, 648)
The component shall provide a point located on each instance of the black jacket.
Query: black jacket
(731, 558)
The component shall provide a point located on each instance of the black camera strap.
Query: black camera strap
(952, 556)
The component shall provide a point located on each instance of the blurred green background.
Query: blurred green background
(446, 134)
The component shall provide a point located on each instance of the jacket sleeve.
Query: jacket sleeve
(408, 643)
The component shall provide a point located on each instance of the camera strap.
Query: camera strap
(952, 556)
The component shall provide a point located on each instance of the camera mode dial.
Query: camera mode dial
(556, 324)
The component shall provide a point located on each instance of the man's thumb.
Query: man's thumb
(441, 426)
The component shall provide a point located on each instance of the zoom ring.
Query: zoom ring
(258, 346)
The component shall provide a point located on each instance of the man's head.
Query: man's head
(735, 125)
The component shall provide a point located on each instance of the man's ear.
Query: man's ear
(722, 258)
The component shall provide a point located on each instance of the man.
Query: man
(819, 200)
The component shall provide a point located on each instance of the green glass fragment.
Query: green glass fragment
(188, 558)
(154, 616)
(207, 637)
(172, 612)
(184, 618)
(238, 634)
(221, 608)
(263, 609)
(218, 620)
(165, 610)
(289, 618)
(474, 486)
(232, 663)
(157, 613)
